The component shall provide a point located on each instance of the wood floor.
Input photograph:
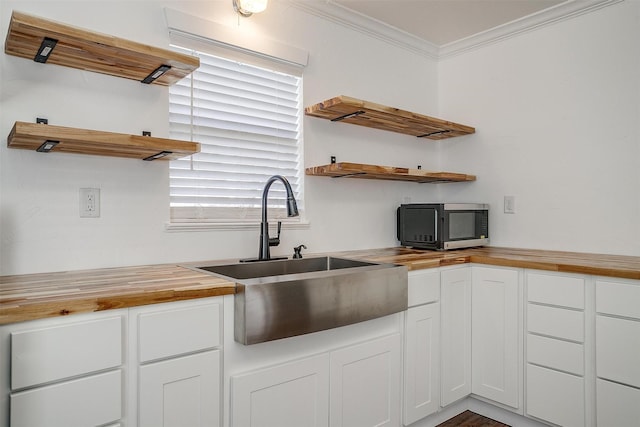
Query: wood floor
(471, 419)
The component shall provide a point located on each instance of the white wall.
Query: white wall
(557, 112)
(40, 228)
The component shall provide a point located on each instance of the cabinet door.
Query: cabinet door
(422, 362)
(496, 335)
(181, 392)
(455, 359)
(294, 394)
(365, 384)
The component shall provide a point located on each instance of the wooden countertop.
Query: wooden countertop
(621, 266)
(35, 296)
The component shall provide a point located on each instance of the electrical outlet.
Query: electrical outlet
(89, 202)
(509, 204)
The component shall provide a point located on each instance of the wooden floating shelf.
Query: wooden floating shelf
(31, 136)
(87, 50)
(368, 114)
(390, 173)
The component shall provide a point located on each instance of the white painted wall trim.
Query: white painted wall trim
(181, 24)
(348, 18)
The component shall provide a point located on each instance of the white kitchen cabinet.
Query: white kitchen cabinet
(617, 352)
(455, 306)
(618, 331)
(63, 371)
(156, 365)
(183, 391)
(365, 384)
(496, 335)
(422, 346)
(292, 394)
(556, 356)
(356, 385)
(176, 350)
(422, 362)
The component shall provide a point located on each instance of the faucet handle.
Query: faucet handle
(275, 241)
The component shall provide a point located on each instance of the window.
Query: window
(247, 120)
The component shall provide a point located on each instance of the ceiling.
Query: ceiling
(445, 21)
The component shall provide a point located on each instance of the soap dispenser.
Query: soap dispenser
(297, 251)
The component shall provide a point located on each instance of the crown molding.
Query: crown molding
(348, 18)
(356, 21)
(563, 11)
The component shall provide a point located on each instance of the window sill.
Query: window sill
(233, 225)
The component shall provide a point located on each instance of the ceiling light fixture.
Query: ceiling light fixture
(247, 8)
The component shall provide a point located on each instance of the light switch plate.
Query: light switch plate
(509, 204)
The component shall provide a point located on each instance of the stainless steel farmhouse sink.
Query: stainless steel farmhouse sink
(285, 298)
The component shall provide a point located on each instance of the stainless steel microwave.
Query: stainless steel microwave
(443, 226)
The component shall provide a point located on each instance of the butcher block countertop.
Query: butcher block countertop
(627, 267)
(36, 296)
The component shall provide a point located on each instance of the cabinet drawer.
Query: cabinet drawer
(617, 405)
(424, 287)
(175, 332)
(555, 396)
(555, 322)
(618, 350)
(618, 298)
(556, 354)
(91, 401)
(555, 290)
(49, 354)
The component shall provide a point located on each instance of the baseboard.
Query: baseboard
(479, 407)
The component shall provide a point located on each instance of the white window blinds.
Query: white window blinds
(247, 120)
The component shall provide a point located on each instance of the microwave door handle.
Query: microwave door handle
(435, 226)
